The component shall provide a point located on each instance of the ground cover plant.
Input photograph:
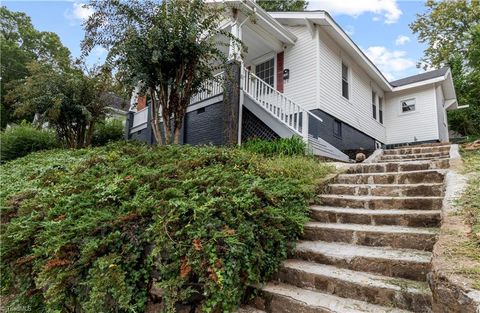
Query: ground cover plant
(93, 230)
(470, 204)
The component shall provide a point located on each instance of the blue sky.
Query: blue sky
(379, 27)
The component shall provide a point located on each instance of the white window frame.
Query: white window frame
(265, 58)
(374, 102)
(381, 118)
(414, 105)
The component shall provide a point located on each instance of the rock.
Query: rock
(360, 157)
(156, 293)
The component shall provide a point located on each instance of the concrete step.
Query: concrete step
(249, 309)
(415, 156)
(417, 150)
(379, 203)
(399, 166)
(439, 159)
(376, 289)
(392, 190)
(399, 263)
(284, 298)
(373, 235)
(412, 218)
(414, 177)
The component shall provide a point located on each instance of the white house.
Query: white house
(303, 75)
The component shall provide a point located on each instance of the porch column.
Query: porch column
(236, 31)
(231, 103)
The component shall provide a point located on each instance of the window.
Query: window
(345, 81)
(337, 128)
(408, 105)
(266, 71)
(380, 109)
(374, 106)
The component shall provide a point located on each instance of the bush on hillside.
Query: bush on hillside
(93, 230)
(109, 131)
(280, 146)
(20, 140)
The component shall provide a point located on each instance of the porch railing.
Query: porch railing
(210, 88)
(276, 103)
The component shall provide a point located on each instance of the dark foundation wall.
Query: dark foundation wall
(350, 141)
(202, 126)
(205, 126)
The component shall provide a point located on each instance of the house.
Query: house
(303, 75)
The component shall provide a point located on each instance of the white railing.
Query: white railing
(140, 117)
(210, 88)
(276, 103)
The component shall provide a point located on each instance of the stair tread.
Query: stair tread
(378, 197)
(373, 212)
(386, 185)
(394, 173)
(350, 251)
(315, 299)
(374, 228)
(356, 277)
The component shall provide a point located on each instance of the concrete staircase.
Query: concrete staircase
(368, 246)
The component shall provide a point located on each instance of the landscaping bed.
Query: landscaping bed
(129, 227)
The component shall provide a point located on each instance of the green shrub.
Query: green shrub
(281, 146)
(20, 140)
(91, 230)
(111, 130)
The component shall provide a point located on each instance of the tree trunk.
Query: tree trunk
(155, 118)
(91, 128)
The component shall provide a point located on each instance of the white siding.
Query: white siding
(300, 60)
(357, 111)
(419, 125)
(441, 114)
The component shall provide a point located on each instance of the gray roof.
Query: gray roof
(419, 77)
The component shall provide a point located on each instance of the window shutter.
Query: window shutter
(280, 71)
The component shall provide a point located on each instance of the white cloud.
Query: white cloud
(99, 52)
(78, 13)
(401, 40)
(387, 8)
(391, 63)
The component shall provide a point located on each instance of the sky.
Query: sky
(379, 27)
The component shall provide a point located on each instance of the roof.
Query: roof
(419, 77)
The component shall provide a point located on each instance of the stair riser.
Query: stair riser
(394, 268)
(398, 167)
(416, 150)
(412, 160)
(388, 191)
(378, 204)
(400, 178)
(414, 156)
(373, 239)
(431, 220)
(402, 299)
(273, 303)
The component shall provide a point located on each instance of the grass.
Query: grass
(92, 230)
(470, 211)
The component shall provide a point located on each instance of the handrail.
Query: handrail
(211, 87)
(276, 103)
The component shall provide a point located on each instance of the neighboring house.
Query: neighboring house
(302, 75)
(117, 107)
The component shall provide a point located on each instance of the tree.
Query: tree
(20, 44)
(171, 47)
(283, 5)
(69, 101)
(450, 29)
